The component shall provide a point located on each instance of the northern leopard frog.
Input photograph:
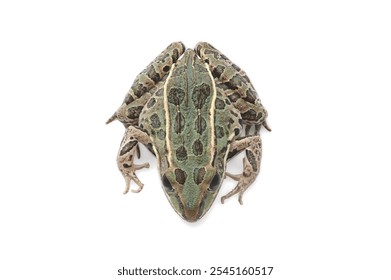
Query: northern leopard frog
(188, 108)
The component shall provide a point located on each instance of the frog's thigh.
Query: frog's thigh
(126, 153)
(139, 93)
(235, 84)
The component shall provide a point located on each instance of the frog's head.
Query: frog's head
(191, 191)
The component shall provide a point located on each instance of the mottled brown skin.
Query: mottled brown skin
(188, 108)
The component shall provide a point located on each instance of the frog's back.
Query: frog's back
(189, 112)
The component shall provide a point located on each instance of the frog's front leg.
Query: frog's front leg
(140, 92)
(251, 164)
(235, 84)
(128, 150)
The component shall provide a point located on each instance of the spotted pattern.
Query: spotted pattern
(180, 176)
(251, 96)
(252, 160)
(155, 121)
(176, 96)
(134, 112)
(128, 99)
(177, 140)
(127, 147)
(219, 104)
(249, 115)
(161, 134)
(218, 70)
(198, 148)
(139, 89)
(200, 94)
(234, 97)
(219, 132)
(233, 82)
(151, 102)
(181, 153)
(198, 175)
(153, 75)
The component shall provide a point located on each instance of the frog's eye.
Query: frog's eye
(215, 182)
(167, 185)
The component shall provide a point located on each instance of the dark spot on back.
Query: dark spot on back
(199, 174)
(151, 102)
(161, 134)
(223, 86)
(233, 113)
(219, 132)
(155, 121)
(218, 71)
(200, 94)
(166, 68)
(198, 148)
(176, 96)
(139, 89)
(152, 74)
(180, 176)
(251, 96)
(134, 112)
(128, 99)
(175, 55)
(181, 153)
(234, 97)
(249, 115)
(219, 104)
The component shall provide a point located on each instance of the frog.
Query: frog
(194, 110)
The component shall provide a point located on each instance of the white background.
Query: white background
(320, 208)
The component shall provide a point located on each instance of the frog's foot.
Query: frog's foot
(129, 173)
(244, 181)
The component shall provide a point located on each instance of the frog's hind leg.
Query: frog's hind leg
(251, 164)
(126, 153)
(140, 92)
(236, 85)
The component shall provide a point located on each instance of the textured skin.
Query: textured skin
(189, 113)
(142, 88)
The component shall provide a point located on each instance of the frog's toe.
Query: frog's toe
(130, 175)
(239, 189)
(128, 179)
